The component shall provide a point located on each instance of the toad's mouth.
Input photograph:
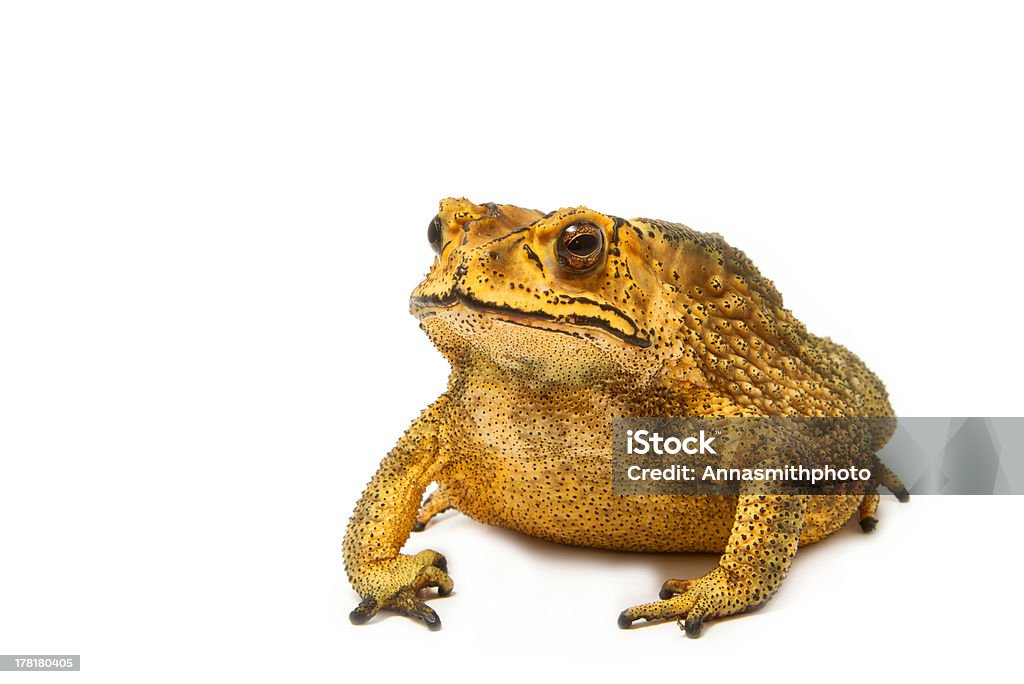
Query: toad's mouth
(427, 306)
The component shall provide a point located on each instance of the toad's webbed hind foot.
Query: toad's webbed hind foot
(435, 504)
(891, 481)
(866, 512)
(869, 505)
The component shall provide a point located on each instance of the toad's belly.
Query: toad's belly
(571, 502)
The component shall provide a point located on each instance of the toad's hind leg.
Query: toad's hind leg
(891, 481)
(869, 504)
(866, 512)
(435, 504)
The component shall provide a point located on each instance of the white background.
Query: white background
(212, 214)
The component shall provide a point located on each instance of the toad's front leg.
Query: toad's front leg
(381, 524)
(761, 547)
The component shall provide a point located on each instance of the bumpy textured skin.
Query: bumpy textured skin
(670, 322)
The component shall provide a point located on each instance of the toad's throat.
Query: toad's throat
(421, 307)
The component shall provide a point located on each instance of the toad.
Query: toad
(555, 325)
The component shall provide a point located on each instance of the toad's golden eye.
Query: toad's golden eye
(580, 247)
(435, 231)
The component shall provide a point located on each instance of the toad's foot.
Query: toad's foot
(393, 584)
(435, 504)
(693, 601)
(757, 556)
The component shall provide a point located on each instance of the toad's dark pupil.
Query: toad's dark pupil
(434, 233)
(582, 245)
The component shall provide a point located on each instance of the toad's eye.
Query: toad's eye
(580, 247)
(435, 231)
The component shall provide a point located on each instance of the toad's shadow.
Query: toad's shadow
(660, 566)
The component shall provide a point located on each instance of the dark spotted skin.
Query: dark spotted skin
(547, 346)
